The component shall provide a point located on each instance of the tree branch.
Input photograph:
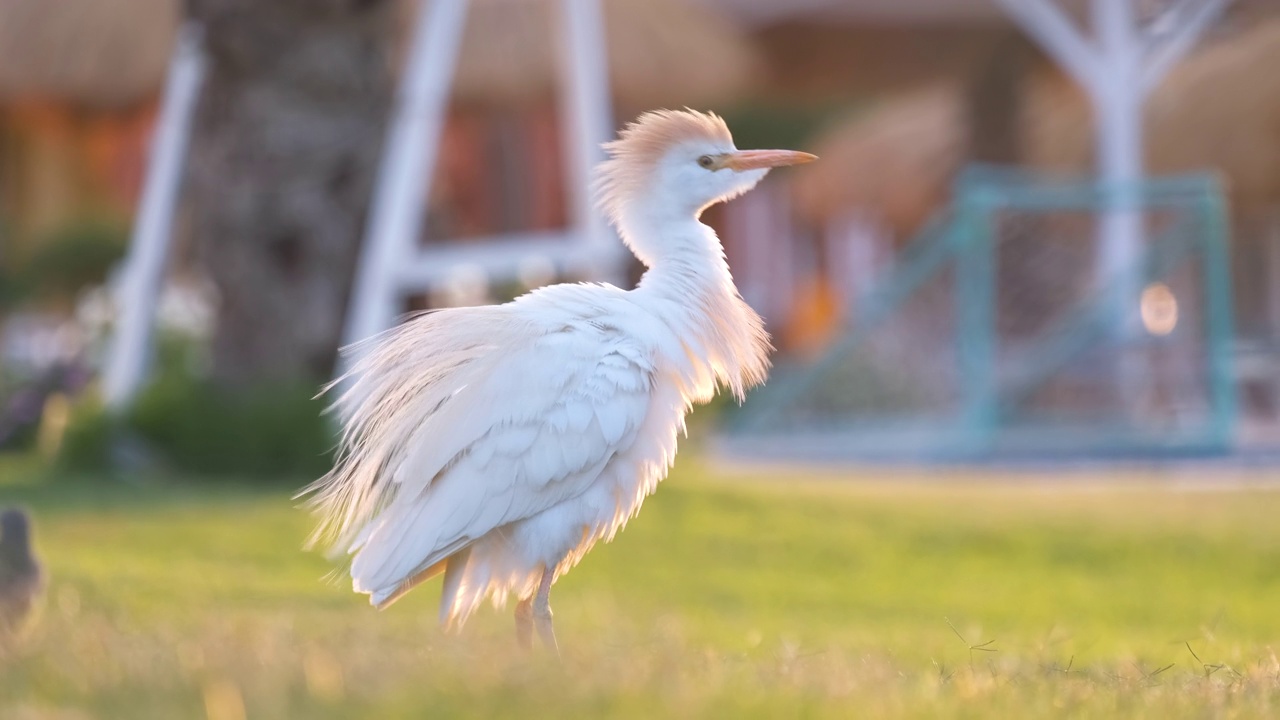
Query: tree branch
(1192, 17)
(1045, 21)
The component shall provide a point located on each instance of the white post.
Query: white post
(586, 122)
(143, 270)
(408, 159)
(781, 231)
(854, 251)
(745, 224)
(1117, 98)
(1272, 274)
(840, 248)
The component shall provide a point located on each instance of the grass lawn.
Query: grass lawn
(730, 596)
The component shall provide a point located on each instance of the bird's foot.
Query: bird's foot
(542, 613)
(524, 624)
(546, 629)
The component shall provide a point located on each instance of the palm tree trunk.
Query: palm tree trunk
(282, 159)
(994, 95)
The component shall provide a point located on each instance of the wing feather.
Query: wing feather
(454, 431)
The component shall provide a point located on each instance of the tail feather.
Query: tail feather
(455, 571)
(382, 599)
(454, 568)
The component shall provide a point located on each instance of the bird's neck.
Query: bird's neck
(688, 286)
(689, 273)
(682, 256)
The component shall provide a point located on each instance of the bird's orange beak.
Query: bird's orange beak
(756, 159)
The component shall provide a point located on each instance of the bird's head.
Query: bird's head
(678, 162)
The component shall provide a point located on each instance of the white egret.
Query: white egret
(497, 445)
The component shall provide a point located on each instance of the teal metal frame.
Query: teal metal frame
(965, 238)
(976, 311)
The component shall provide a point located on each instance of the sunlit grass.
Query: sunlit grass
(730, 596)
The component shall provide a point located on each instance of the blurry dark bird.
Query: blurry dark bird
(20, 576)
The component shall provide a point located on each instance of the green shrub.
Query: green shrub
(75, 256)
(64, 262)
(192, 426)
(86, 444)
(10, 290)
(198, 427)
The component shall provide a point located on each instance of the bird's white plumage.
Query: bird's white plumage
(500, 441)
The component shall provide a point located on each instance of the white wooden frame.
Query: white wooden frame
(139, 283)
(391, 264)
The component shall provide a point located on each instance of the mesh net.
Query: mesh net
(1003, 328)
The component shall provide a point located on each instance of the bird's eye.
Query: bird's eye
(706, 161)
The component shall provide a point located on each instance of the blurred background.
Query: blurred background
(1027, 310)
(941, 285)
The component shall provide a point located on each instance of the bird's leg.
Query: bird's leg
(542, 612)
(524, 623)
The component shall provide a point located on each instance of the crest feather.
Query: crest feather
(643, 142)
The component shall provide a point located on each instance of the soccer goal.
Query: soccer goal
(1008, 328)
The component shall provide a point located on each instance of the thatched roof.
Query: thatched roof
(114, 52)
(895, 160)
(93, 52)
(1219, 109)
(661, 52)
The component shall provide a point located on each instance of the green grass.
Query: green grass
(728, 597)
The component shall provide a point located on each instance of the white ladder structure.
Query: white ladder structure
(391, 264)
(142, 272)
